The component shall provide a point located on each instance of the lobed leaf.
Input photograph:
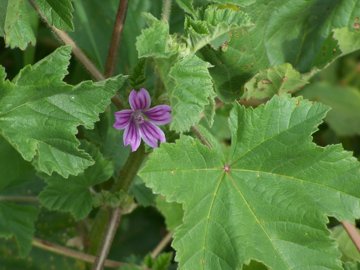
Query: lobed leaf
(39, 113)
(266, 198)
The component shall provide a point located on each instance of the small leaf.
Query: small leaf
(16, 23)
(275, 80)
(73, 194)
(215, 26)
(273, 186)
(39, 113)
(154, 41)
(191, 90)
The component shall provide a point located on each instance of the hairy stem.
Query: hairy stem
(166, 10)
(108, 239)
(353, 233)
(116, 38)
(162, 244)
(72, 253)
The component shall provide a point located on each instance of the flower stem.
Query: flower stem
(129, 170)
(116, 38)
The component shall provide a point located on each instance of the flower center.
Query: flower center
(138, 117)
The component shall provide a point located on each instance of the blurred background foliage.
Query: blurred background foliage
(338, 86)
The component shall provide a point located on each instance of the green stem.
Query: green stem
(130, 169)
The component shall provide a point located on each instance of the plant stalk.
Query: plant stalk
(39, 243)
(116, 38)
(353, 233)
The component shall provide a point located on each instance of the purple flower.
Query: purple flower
(141, 121)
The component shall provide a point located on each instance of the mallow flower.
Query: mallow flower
(141, 121)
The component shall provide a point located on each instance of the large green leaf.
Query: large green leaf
(285, 32)
(266, 198)
(39, 113)
(344, 118)
(57, 13)
(17, 22)
(73, 195)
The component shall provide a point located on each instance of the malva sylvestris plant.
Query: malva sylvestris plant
(141, 122)
(248, 173)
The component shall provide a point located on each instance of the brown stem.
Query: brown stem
(162, 244)
(78, 53)
(108, 239)
(72, 253)
(116, 38)
(353, 233)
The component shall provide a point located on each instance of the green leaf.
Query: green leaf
(57, 13)
(17, 22)
(172, 212)
(344, 118)
(154, 41)
(161, 262)
(18, 221)
(215, 26)
(275, 80)
(39, 113)
(73, 195)
(191, 90)
(346, 246)
(270, 203)
(284, 32)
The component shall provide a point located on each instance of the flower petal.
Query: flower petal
(150, 133)
(122, 119)
(132, 136)
(159, 115)
(139, 100)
